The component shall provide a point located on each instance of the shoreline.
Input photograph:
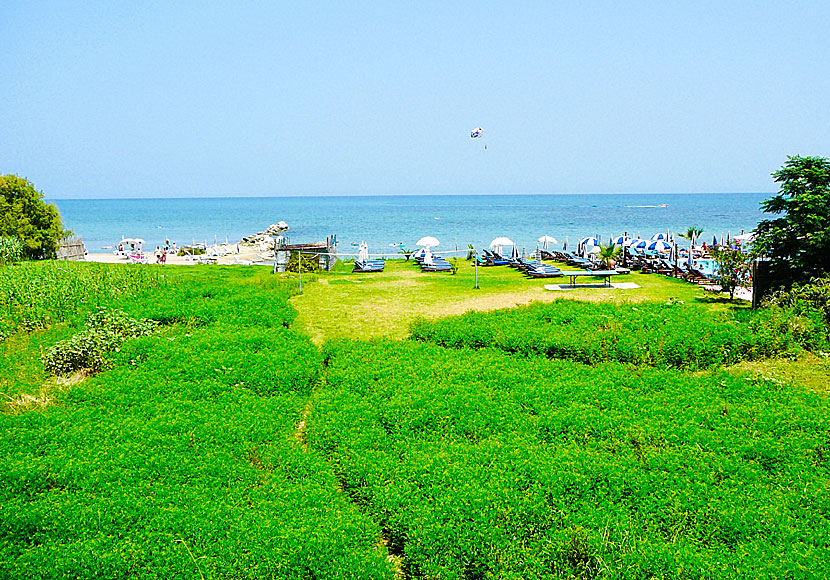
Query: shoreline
(245, 256)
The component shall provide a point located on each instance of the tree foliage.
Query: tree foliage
(797, 242)
(24, 215)
(733, 269)
(691, 231)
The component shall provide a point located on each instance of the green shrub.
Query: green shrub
(11, 250)
(104, 332)
(811, 296)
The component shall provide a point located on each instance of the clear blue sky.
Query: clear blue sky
(181, 99)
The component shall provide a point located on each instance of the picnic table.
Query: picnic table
(605, 274)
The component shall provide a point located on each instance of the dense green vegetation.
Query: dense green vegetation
(182, 459)
(11, 250)
(671, 334)
(214, 439)
(483, 465)
(25, 216)
(38, 295)
(797, 240)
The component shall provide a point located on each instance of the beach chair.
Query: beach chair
(698, 277)
(369, 266)
(543, 271)
(495, 258)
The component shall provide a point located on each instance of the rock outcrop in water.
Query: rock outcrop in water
(268, 235)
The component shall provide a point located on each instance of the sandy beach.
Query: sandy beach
(246, 255)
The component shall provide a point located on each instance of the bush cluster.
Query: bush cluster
(11, 250)
(673, 334)
(104, 332)
(805, 298)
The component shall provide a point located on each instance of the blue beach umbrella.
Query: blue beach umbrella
(659, 245)
(639, 244)
(565, 244)
(660, 236)
(673, 253)
(714, 240)
(589, 241)
(622, 241)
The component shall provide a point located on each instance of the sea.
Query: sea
(387, 222)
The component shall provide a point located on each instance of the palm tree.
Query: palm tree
(692, 231)
(609, 253)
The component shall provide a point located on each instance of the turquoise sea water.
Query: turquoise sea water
(384, 220)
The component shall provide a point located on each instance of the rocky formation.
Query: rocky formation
(267, 236)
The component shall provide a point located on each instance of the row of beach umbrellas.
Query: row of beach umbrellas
(660, 242)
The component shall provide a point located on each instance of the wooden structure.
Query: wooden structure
(324, 252)
(71, 249)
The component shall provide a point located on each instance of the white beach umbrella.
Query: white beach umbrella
(748, 237)
(427, 241)
(589, 241)
(623, 241)
(514, 255)
(498, 244)
(502, 241)
(638, 244)
(547, 240)
(661, 236)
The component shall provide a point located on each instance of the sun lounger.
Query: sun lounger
(495, 258)
(544, 271)
(369, 266)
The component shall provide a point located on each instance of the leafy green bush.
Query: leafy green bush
(24, 215)
(104, 332)
(11, 250)
(804, 298)
(669, 335)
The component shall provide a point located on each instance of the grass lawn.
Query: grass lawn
(343, 304)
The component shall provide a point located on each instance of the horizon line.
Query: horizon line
(314, 195)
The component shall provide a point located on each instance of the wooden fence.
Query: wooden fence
(71, 249)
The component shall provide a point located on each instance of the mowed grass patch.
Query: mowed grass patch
(384, 304)
(481, 464)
